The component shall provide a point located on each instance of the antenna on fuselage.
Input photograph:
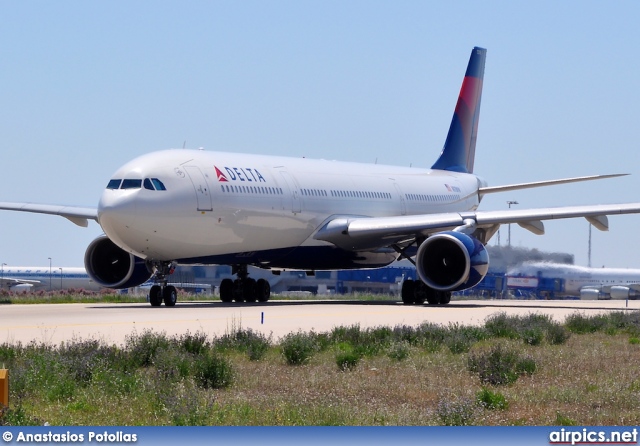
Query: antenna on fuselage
(184, 144)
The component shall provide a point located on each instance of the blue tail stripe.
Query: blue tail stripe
(458, 154)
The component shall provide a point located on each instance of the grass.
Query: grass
(350, 376)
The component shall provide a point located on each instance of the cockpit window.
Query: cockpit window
(131, 184)
(153, 184)
(158, 184)
(149, 183)
(114, 184)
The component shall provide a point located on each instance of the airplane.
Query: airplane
(586, 283)
(184, 206)
(29, 278)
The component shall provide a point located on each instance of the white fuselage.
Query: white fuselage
(217, 205)
(578, 278)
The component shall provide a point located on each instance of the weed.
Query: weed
(173, 364)
(254, 344)
(500, 365)
(9, 352)
(187, 406)
(526, 365)
(431, 336)
(17, 416)
(82, 357)
(459, 338)
(196, 344)
(398, 351)
(456, 412)
(500, 325)
(533, 336)
(581, 324)
(406, 333)
(298, 348)
(142, 348)
(346, 357)
(491, 400)
(562, 420)
(557, 334)
(213, 371)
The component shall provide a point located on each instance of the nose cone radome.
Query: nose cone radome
(117, 213)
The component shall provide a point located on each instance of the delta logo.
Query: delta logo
(239, 174)
(453, 188)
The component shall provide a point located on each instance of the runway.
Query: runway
(55, 323)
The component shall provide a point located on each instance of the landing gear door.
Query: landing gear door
(201, 187)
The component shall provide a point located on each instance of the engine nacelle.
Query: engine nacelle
(622, 292)
(452, 261)
(112, 267)
(592, 294)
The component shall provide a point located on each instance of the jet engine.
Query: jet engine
(451, 261)
(623, 292)
(113, 267)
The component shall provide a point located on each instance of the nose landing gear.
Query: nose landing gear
(158, 294)
(162, 292)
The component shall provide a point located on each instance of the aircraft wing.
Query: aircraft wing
(76, 214)
(360, 233)
(8, 282)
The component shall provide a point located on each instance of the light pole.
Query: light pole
(2, 278)
(509, 202)
(60, 278)
(49, 273)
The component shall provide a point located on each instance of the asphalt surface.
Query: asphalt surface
(55, 323)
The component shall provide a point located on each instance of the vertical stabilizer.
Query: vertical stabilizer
(460, 147)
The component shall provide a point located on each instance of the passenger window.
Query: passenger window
(131, 184)
(114, 184)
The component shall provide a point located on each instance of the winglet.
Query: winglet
(459, 150)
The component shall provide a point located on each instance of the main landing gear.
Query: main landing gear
(416, 292)
(244, 289)
(162, 292)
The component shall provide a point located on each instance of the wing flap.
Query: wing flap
(593, 213)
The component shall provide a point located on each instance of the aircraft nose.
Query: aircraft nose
(117, 211)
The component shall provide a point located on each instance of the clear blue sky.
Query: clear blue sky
(86, 86)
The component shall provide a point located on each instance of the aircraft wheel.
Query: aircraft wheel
(170, 296)
(408, 292)
(445, 298)
(433, 297)
(226, 290)
(420, 293)
(155, 296)
(263, 290)
(238, 290)
(249, 290)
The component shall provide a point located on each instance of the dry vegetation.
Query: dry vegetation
(585, 372)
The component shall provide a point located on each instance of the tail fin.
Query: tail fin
(459, 149)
